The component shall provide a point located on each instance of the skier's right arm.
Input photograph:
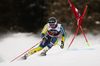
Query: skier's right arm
(44, 30)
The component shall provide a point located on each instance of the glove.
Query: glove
(44, 38)
(62, 45)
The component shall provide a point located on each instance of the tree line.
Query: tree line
(32, 15)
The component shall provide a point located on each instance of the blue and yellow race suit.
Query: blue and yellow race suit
(52, 37)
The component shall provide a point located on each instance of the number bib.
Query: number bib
(54, 31)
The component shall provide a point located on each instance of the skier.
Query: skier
(49, 36)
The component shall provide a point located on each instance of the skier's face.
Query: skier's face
(52, 24)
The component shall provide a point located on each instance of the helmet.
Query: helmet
(52, 21)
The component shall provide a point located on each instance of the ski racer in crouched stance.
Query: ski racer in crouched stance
(49, 36)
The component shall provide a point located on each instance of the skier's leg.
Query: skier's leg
(32, 52)
(44, 51)
(35, 50)
(56, 42)
(53, 42)
(40, 47)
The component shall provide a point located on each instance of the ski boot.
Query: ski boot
(44, 51)
(25, 56)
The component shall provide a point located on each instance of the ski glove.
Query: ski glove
(62, 45)
(44, 38)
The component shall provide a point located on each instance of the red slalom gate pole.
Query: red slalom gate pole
(69, 2)
(84, 11)
(25, 52)
(82, 29)
(73, 37)
(84, 36)
(78, 28)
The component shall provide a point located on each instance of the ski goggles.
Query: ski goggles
(51, 23)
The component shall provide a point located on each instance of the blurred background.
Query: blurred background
(32, 15)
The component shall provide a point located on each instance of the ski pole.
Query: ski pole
(25, 51)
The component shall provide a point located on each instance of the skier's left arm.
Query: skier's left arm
(63, 36)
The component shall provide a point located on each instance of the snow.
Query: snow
(79, 54)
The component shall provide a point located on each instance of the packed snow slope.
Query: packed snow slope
(79, 54)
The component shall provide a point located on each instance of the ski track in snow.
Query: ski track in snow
(79, 54)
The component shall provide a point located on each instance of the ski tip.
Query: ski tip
(86, 6)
